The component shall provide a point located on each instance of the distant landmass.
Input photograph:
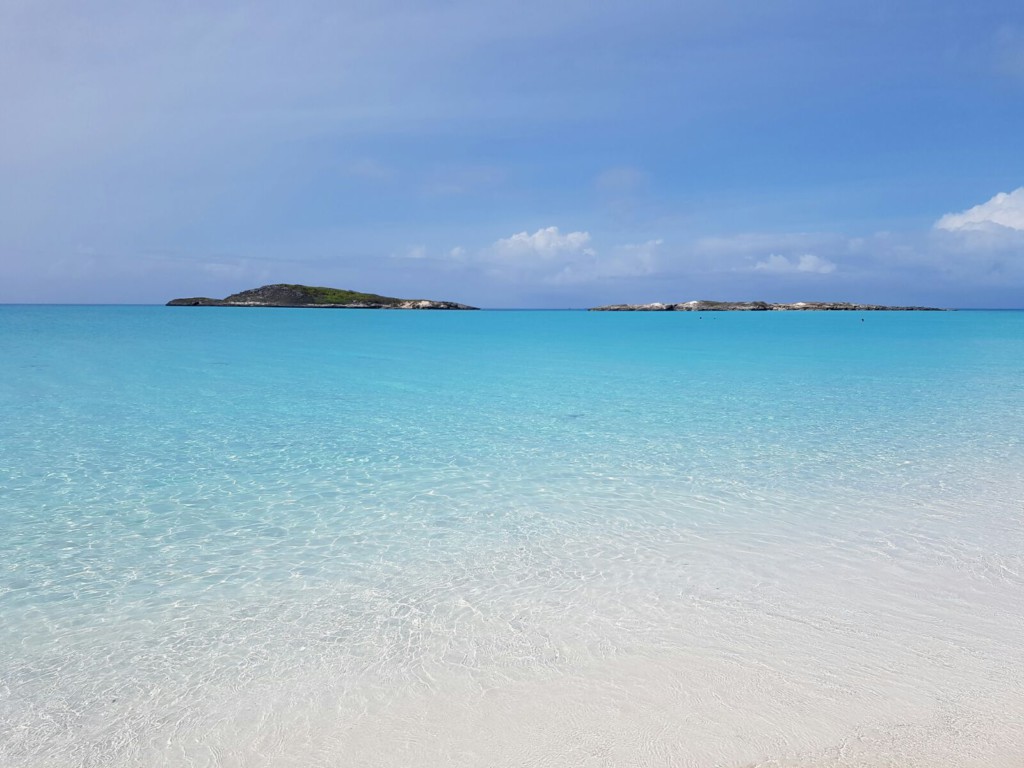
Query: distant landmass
(758, 306)
(286, 295)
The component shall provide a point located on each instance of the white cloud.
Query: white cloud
(807, 263)
(1005, 210)
(644, 251)
(551, 257)
(629, 260)
(749, 243)
(544, 244)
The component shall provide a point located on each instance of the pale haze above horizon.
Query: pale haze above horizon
(528, 154)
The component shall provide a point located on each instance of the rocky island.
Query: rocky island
(758, 306)
(286, 295)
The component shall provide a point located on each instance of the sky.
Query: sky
(564, 153)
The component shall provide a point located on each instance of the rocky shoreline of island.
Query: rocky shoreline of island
(760, 306)
(316, 297)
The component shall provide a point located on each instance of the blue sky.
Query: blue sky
(530, 154)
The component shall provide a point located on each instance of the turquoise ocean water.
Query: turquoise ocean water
(270, 537)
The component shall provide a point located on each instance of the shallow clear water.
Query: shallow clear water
(294, 537)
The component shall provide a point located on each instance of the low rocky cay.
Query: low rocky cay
(758, 306)
(287, 295)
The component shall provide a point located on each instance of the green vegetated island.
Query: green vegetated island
(286, 295)
(758, 306)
